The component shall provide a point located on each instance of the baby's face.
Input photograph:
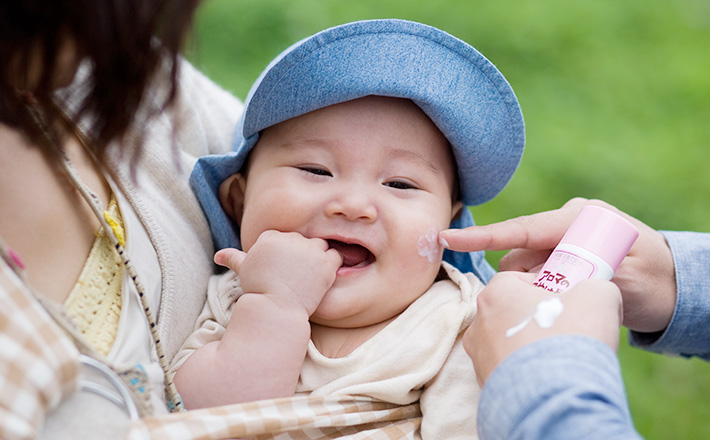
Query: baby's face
(374, 178)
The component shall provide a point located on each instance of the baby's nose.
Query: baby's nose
(352, 206)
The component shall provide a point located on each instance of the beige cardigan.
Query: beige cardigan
(203, 121)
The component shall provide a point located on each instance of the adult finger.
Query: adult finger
(536, 231)
(524, 260)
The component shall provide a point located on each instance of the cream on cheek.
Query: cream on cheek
(428, 244)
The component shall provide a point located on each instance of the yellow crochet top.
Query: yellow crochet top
(94, 304)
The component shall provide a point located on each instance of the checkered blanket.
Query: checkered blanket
(302, 417)
(39, 365)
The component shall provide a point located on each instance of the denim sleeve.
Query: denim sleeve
(688, 333)
(560, 387)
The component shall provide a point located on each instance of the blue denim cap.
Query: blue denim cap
(462, 92)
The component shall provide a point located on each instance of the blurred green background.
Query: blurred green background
(616, 98)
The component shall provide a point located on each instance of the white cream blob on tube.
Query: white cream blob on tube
(428, 244)
(592, 248)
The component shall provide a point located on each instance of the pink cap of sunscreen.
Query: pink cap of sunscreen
(603, 233)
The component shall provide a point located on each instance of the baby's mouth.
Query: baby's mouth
(354, 255)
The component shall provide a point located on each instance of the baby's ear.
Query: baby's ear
(231, 196)
(456, 210)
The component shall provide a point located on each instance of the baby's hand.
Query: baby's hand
(293, 270)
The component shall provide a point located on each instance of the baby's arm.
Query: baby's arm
(284, 277)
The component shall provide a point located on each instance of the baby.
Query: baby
(357, 146)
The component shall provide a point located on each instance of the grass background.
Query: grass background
(616, 98)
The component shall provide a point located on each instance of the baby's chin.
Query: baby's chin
(346, 318)
(334, 320)
(341, 320)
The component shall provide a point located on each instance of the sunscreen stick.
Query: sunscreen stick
(592, 248)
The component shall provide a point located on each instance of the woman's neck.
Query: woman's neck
(43, 218)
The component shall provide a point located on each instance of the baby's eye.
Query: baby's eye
(399, 184)
(315, 170)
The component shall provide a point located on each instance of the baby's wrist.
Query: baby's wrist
(276, 305)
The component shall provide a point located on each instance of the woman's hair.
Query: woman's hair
(124, 41)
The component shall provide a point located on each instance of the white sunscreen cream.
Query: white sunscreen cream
(592, 248)
(428, 244)
(545, 315)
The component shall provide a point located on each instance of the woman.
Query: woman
(105, 251)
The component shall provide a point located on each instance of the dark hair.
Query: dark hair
(125, 42)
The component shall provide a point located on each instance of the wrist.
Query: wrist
(258, 317)
(272, 306)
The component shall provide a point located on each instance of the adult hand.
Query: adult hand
(592, 308)
(288, 267)
(646, 276)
